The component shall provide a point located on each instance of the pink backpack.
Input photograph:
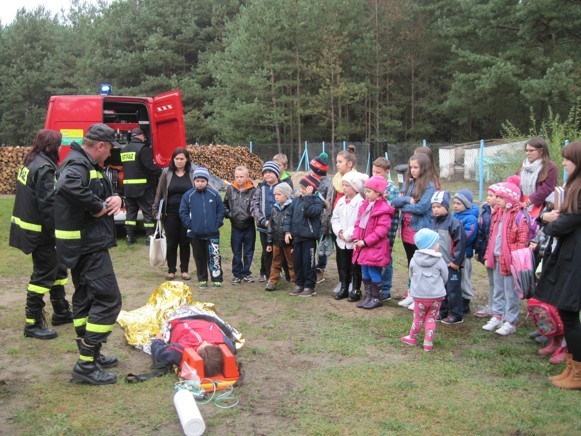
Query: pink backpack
(545, 317)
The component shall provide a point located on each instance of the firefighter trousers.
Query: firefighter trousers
(132, 206)
(97, 298)
(47, 277)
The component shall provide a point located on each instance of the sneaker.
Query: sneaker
(170, 276)
(453, 319)
(217, 284)
(262, 278)
(411, 306)
(308, 292)
(409, 341)
(236, 280)
(534, 334)
(428, 346)
(406, 301)
(202, 285)
(248, 279)
(439, 317)
(385, 297)
(297, 290)
(492, 324)
(483, 312)
(506, 329)
(270, 286)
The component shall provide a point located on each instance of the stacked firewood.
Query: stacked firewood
(10, 160)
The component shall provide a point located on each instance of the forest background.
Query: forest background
(286, 71)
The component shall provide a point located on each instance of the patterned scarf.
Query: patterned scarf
(529, 175)
(366, 215)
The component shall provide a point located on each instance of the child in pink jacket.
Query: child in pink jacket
(371, 245)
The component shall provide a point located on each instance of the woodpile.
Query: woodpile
(221, 160)
(10, 160)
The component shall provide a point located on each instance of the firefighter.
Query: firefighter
(85, 230)
(140, 176)
(32, 231)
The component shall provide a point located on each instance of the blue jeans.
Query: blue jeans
(386, 278)
(242, 243)
(372, 273)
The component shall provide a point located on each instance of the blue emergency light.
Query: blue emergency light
(105, 89)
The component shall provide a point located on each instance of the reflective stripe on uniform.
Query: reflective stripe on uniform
(79, 322)
(86, 358)
(26, 226)
(94, 174)
(134, 181)
(149, 225)
(99, 328)
(67, 234)
(128, 156)
(130, 223)
(22, 176)
(30, 321)
(61, 282)
(37, 289)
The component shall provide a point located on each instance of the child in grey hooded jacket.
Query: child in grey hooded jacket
(428, 273)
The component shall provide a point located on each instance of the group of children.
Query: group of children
(439, 232)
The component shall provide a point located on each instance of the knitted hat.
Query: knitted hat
(515, 180)
(355, 179)
(465, 197)
(443, 198)
(320, 164)
(493, 188)
(310, 180)
(510, 192)
(271, 166)
(377, 183)
(201, 173)
(284, 188)
(426, 238)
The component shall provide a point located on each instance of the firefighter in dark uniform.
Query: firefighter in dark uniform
(32, 231)
(85, 230)
(140, 175)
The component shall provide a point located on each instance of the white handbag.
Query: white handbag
(157, 246)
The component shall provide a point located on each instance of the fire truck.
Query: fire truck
(160, 117)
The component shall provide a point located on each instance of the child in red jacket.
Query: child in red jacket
(371, 245)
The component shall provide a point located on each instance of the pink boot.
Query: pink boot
(554, 344)
(559, 356)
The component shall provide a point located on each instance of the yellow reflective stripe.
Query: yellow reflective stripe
(134, 181)
(130, 223)
(99, 328)
(128, 156)
(148, 225)
(67, 234)
(94, 174)
(38, 289)
(86, 358)
(30, 321)
(26, 226)
(79, 322)
(61, 282)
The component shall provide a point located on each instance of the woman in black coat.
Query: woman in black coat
(560, 281)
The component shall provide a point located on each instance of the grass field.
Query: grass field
(313, 366)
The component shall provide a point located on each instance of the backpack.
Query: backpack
(545, 318)
(532, 224)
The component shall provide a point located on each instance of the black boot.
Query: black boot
(343, 292)
(36, 326)
(105, 362)
(375, 300)
(61, 312)
(354, 295)
(367, 287)
(130, 232)
(86, 370)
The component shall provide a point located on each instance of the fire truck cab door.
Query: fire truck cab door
(167, 126)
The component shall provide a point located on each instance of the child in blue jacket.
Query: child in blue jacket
(467, 214)
(202, 214)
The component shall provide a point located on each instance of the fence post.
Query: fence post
(323, 147)
(481, 167)
(250, 146)
(565, 172)
(344, 145)
(307, 166)
(424, 143)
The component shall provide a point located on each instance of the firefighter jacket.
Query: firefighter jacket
(139, 171)
(32, 222)
(81, 189)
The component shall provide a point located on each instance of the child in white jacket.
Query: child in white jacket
(428, 275)
(343, 225)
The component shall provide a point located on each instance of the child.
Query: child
(275, 237)
(202, 213)
(302, 225)
(506, 235)
(415, 206)
(370, 237)
(480, 247)
(260, 208)
(467, 214)
(381, 167)
(243, 237)
(453, 249)
(343, 225)
(428, 275)
(282, 162)
(319, 167)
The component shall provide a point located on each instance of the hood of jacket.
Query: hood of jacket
(427, 257)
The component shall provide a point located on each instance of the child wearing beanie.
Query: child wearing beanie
(428, 275)
(467, 213)
(507, 234)
(371, 246)
(260, 207)
(453, 249)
